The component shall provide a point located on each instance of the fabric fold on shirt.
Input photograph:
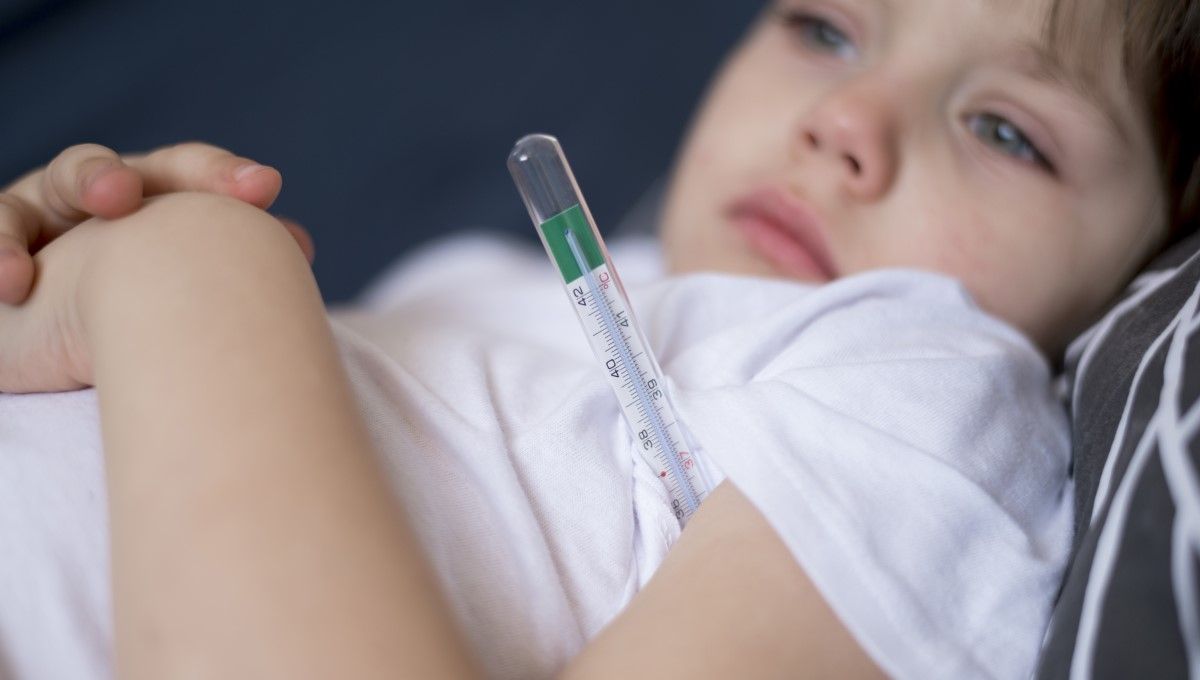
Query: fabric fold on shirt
(909, 451)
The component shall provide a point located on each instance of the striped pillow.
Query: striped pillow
(1130, 602)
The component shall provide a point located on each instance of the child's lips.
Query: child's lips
(785, 232)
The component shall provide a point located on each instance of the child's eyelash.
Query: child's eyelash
(1001, 134)
(816, 32)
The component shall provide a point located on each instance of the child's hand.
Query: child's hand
(180, 247)
(89, 180)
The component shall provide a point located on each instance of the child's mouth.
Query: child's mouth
(785, 233)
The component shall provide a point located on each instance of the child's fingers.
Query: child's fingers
(16, 266)
(92, 180)
(16, 273)
(83, 180)
(194, 166)
(18, 221)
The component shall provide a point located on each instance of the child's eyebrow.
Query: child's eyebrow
(1036, 61)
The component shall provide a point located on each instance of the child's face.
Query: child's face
(933, 134)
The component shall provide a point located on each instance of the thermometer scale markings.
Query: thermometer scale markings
(646, 408)
(575, 246)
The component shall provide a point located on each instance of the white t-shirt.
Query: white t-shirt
(907, 448)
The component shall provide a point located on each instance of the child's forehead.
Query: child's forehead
(1091, 75)
(1076, 46)
(1080, 46)
(1084, 35)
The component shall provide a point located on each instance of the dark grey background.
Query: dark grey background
(390, 121)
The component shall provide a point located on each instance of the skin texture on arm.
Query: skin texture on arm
(252, 534)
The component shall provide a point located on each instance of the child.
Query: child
(893, 492)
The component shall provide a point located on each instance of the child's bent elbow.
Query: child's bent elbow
(194, 227)
(190, 217)
(184, 240)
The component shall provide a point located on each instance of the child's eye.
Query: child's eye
(817, 33)
(1002, 134)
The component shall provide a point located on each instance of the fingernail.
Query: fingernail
(245, 171)
(103, 168)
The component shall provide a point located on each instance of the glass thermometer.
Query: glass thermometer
(569, 233)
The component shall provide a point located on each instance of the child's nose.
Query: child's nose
(851, 132)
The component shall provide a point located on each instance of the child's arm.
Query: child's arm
(253, 535)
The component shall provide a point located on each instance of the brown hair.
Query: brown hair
(1165, 36)
(1160, 41)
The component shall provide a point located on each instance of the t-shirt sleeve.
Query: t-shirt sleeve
(909, 451)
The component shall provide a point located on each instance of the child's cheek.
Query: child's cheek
(959, 241)
(706, 160)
